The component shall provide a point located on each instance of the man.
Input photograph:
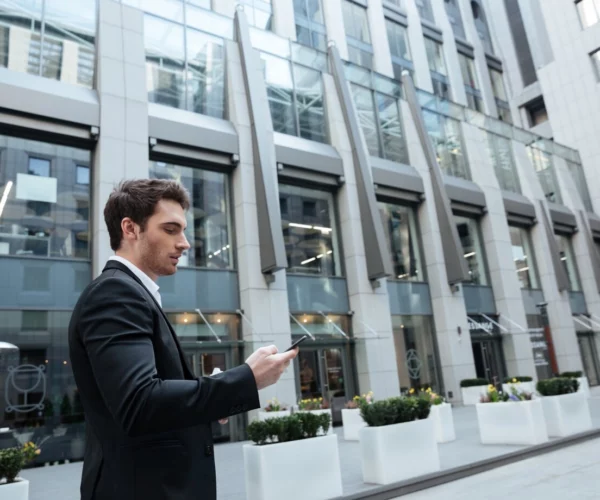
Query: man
(148, 418)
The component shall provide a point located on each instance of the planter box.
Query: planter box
(15, 491)
(269, 474)
(393, 453)
(472, 395)
(321, 412)
(521, 387)
(512, 422)
(567, 414)
(443, 422)
(352, 422)
(266, 415)
(584, 386)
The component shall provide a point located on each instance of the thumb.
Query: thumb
(287, 355)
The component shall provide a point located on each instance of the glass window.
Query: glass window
(595, 56)
(309, 232)
(588, 12)
(578, 175)
(83, 175)
(310, 24)
(208, 220)
(453, 12)
(536, 112)
(435, 56)
(206, 74)
(260, 13)
(446, 135)
(398, 40)
(356, 22)
(544, 167)
(400, 224)
(363, 100)
(416, 353)
(309, 103)
(523, 257)
(425, 10)
(498, 84)
(467, 68)
(189, 326)
(567, 256)
(50, 38)
(468, 232)
(320, 326)
(504, 165)
(44, 212)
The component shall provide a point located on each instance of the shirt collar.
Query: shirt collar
(148, 282)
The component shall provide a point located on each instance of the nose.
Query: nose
(183, 243)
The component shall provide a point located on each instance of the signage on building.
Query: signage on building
(539, 346)
(478, 324)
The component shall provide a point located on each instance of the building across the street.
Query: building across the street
(412, 183)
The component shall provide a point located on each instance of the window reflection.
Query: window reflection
(523, 257)
(328, 325)
(504, 166)
(467, 67)
(567, 257)
(309, 232)
(358, 35)
(310, 24)
(437, 67)
(400, 227)
(544, 167)
(446, 136)
(190, 326)
(259, 13)
(468, 232)
(46, 211)
(208, 220)
(50, 38)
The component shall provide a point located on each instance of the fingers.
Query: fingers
(270, 350)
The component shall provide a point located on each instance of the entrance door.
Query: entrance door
(589, 356)
(202, 364)
(323, 374)
(488, 360)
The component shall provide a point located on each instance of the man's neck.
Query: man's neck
(128, 257)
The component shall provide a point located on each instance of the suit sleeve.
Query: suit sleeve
(116, 329)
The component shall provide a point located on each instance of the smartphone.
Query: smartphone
(298, 342)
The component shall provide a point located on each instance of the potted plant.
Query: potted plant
(274, 409)
(584, 386)
(399, 440)
(351, 418)
(565, 409)
(441, 414)
(317, 406)
(12, 461)
(524, 384)
(280, 442)
(511, 418)
(472, 389)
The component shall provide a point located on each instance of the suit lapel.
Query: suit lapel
(113, 264)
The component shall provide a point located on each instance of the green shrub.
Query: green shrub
(292, 428)
(571, 374)
(512, 380)
(557, 386)
(12, 460)
(472, 382)
(395, 410)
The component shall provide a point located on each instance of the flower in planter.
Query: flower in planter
(493, 396)
(313, 404)
(274, 405)
(357, 401)
(12, 460)
(428, 394)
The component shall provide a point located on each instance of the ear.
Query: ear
(130, 229)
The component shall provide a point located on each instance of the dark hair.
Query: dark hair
(137, 199)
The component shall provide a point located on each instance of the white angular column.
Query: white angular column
(382, 58)
(516, 344)
(266, 306)
(283, 19)
(334, 22)
(375, 357)
(559, 307)
(122, 150)
(449, 312)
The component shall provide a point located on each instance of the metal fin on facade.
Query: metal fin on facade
(270, 235)
(456, 267)
(591, 245)
(379, 263)
(562, 280)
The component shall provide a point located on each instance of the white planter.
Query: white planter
(512, 422)
(443, 422)
(472, 395)
(269, 475)
(584, 386)
(393, 453)
(521, 387)
(352, 422)
(567, 414)
(266, 415)
(15, 491)
(321, 412)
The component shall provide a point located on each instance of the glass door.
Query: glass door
(488, 360)
(323, 374)
(589, 356)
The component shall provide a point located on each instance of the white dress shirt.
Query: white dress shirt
(148, 282)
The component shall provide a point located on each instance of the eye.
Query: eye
(170, 231)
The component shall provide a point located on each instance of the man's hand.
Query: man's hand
(268, 364)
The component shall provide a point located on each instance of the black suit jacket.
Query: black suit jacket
(148, 418)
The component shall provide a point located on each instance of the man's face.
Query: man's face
(163, 241)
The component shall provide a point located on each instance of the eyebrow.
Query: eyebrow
(171, 223)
